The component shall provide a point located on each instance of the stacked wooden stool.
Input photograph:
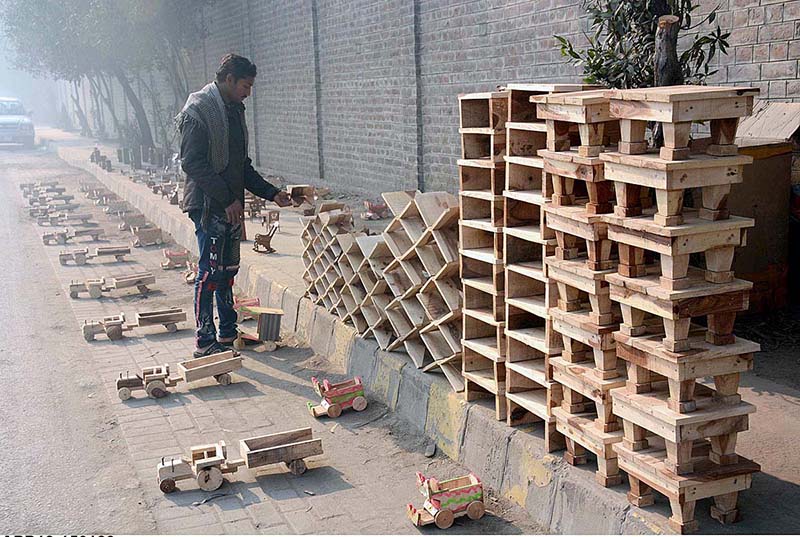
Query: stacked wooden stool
(582, 315)
(680, 436)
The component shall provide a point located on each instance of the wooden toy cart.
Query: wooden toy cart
(447, 500)
(268, 328)
(81, 255)
(337, 397)
(97, 286)
(207, 464)
(65, 235)
(114, 325)
(155, 380)
(147, 236)
(175, 259)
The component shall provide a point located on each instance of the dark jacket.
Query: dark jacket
(209, 191)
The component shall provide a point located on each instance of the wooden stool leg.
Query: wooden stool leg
(639, 380)
(605, 364)
(600, 196)
(676, 140)
(718, 265)
(679, 457)
(727, 387)
(720, 328)
(632, 133)
(670, 207)
(634, 437)
(573, 402)
(575, 454)
(632, 321)
(674, 270)
(723, 137)
(574, 351)
(640, 495)
(567, 246)
(563, 190)
(606, 421)
(681, 395)
(631, 261)
(682, 520)
(568, 297)
(591, 139)
(557, 135)
(715, 202)
(723, 449)
(608, 472)
(676, 334)
(724, 508)
(601, 309)
(599, 254)
(629, 201)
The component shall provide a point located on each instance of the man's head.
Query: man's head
(235, 77)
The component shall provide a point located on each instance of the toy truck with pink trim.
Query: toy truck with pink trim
(447, 500)
(337, 397)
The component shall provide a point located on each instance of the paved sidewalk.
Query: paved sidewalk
(360, 485)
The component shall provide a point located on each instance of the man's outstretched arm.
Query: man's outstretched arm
(261, 187)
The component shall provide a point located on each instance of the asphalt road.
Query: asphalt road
(64, 463)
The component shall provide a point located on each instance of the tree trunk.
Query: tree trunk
(145, 134)
(98, 109)
(85, 129)
(667, 70)
(109, 104)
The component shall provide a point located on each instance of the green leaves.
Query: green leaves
(621, 48)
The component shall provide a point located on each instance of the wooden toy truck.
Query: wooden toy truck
(337, 397)
(447, 500)
(147, 236)
(97, 286)
(81, 255)
(114, 325)
(174, 259)
(155, 380)
(207, 464)
(61, 237)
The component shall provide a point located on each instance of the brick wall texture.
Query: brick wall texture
(361, 95)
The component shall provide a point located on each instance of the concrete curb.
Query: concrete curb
(512, 462)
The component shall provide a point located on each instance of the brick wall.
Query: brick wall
(363, 92)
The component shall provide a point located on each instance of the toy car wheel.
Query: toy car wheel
(62, 261)
(143, 289)
(334, 411)
(95, 292)
(444, 519)
(238, 344)
(270, 346)
(209, 479)
(167, 485)
(297, 467)
(88, 336)
(114, 332)
(476, 510)
(124, 393)
(156, 389)
(80, 260)
(73, 294)
(171, 327)
(359, 403)
(224, 378)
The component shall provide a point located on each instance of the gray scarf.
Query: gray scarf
(207, 107)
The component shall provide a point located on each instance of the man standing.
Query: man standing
(215, 158)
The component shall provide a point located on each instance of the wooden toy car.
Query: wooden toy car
(207, 464)
(61, 237)
(155, 380)
(447, 500)
(82, 255)
(267, 330)
(97, 286)
(131, 221)
(174, 259)
(114, 325)
(55, 219)
(337, 397)
(147, 236)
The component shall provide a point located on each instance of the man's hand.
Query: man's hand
(235, 212)
(282, 199)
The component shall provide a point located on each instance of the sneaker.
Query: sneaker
(214, 348)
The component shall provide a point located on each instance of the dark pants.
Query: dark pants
(219, 262)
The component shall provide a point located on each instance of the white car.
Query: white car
(16, 126)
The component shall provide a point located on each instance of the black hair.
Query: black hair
(238, 66)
